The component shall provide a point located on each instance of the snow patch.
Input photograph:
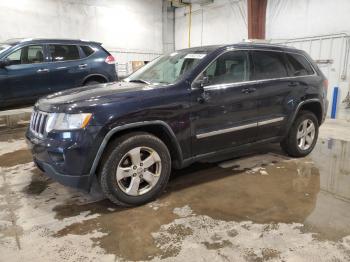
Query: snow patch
(207, 239)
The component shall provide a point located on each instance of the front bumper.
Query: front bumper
(81, 182)
(65, 157)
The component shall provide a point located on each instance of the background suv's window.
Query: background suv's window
(27, 55)
(299, 65)
(231, 67)
(64, 52)
(268, 65)
(87, 50)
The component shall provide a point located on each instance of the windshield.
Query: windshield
(4, 47)
(167, 69)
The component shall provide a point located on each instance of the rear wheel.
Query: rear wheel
(136, 169)
(302, 136)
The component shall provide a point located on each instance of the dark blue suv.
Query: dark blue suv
(31, 68)
(190, 105)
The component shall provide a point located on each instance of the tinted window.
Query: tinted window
(230, 67)
(27, 55)
(299, 65)
(64, 52)
(268, 65)
(87, 50)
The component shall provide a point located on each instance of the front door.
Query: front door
(26, 75)
(224, 108)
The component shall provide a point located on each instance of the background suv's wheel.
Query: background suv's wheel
(302, 136)
(92, 82)
(135, 169)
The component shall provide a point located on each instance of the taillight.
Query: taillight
(325, 85)
(110, 60)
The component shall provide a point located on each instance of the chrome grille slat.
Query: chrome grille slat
(34, 117)
(38, 123)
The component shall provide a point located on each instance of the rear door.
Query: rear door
(27, 74)
(274, 92)
(67, 69)
(224, 111)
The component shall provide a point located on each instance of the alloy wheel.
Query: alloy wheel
(138, 171)
(306, 134)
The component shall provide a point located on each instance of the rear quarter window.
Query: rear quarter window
(87, 50)
(299, 66)
(268, 65)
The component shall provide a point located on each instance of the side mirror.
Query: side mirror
(4, 63)
(202, 82)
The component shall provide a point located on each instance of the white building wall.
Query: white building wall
(124, 25)
(222, 22)
(300, 18)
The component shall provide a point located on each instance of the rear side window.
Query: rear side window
(87, 50)
(268, 65)
(299, 65)
(64, 52)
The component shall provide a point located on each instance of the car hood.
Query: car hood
(89, 96)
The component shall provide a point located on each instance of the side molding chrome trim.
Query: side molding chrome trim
(227, 130)
(237, 128)
(270, 121)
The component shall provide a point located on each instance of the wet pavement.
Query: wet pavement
(263, 206)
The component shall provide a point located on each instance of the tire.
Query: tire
(293, 144)
(118, 178)
(92, 82)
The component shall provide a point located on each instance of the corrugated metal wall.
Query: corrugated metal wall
(331, 52)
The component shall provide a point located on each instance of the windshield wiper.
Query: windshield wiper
(140, 81)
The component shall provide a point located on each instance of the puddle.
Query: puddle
(38, 183)
(15, 158)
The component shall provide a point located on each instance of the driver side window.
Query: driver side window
(231, 67)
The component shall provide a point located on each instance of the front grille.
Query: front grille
(38, 123)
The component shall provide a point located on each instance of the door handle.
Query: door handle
(43, 70)
(248, 90)
(83, 66)
(292, 84)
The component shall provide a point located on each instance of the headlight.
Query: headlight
(61, 121)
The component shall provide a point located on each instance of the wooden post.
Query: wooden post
(256, 19)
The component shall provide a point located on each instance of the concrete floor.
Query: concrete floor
(264, 206)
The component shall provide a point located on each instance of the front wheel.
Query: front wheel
(302, 136)
(136, 169)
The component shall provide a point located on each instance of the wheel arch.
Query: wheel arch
(313, 105)
(95, 77)
(158, 128)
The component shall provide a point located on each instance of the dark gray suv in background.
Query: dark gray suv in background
(30, 68)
